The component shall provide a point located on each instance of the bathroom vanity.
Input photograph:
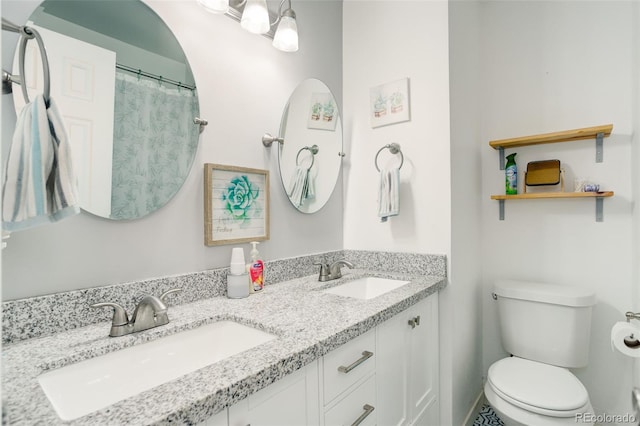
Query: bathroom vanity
(335, 359)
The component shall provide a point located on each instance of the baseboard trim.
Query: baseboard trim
(475, 410)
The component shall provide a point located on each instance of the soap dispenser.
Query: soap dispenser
(256, 269)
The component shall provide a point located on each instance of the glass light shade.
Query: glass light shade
(286, 38)
(215, 6)
(255, 17)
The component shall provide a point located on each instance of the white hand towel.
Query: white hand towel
(301, 186)
(389, 193)
(40, 185)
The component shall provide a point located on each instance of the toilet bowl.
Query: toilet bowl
(525, 392)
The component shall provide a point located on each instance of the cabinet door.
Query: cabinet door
(407, 366)
(392, 370)
(291, 401)
(423, 364)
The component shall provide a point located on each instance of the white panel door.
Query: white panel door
(82, 86)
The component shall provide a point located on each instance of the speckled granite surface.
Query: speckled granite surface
(46, 315)
(308, 323)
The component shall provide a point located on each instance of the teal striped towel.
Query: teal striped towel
(40, 185)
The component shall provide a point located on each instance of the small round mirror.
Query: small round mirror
(311, 154)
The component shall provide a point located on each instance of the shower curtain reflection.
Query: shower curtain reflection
(150, 159)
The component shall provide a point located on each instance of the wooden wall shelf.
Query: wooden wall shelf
(538, 195)
(554, 137)
(595, 132)
(598, 196)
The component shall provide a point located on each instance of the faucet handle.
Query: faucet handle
(119, 314)
(324, 269)
(164, 295)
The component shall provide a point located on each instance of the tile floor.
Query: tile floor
(487, 417)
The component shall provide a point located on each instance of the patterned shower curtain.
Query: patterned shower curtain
(153, 144)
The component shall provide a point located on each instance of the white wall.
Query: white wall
(548, 66)
(466, 226)
(243, 84)
(385, 41)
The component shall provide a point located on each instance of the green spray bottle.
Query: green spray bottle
(511, 175)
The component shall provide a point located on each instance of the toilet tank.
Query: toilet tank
(545, 322)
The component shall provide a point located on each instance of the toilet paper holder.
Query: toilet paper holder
(631, 341)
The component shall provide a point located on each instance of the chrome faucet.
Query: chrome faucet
(150, 312)
(333, 271)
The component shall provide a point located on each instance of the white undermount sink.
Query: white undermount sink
(79, 389)
(366, 288)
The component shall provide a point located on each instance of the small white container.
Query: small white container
(237, 265)
(237, 287)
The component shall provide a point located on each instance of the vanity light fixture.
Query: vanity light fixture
(215, 6)
(255, 17)
(286, 38)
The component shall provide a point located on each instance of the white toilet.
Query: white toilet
(546, 328)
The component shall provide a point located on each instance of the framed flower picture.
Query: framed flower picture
(236, 204)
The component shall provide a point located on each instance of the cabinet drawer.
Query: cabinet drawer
(349, 363)
(358, 405)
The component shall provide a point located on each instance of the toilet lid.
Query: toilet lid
(536, 385)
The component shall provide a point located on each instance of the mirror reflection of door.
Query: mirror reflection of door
(82, 82)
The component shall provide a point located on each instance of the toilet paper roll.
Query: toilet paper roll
(624, 330)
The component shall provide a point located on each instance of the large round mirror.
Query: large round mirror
(127, 96)
(311, 154)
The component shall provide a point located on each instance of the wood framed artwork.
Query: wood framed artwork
(236, 204)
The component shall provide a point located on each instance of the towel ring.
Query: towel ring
(27, 33)
(394, 148)
(313, 150)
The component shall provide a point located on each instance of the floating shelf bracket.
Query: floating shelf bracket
(599, 147)
(501, 209)
(501, 155)
(599, 210)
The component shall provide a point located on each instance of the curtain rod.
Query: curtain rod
(155, 77)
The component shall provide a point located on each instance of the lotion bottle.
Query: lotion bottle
(256, 270)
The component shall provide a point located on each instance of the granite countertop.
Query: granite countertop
(308, 323)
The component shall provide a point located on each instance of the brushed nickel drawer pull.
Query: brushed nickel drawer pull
(368, 409)
(365, 356)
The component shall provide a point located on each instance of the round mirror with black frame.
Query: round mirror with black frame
(128, 99)
(311, 154)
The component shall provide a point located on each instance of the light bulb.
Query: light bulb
(255, 17)
(215, 6)
(286, 37)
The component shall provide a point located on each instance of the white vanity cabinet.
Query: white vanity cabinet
(407, 369)
(292, 400)
(387, 376)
